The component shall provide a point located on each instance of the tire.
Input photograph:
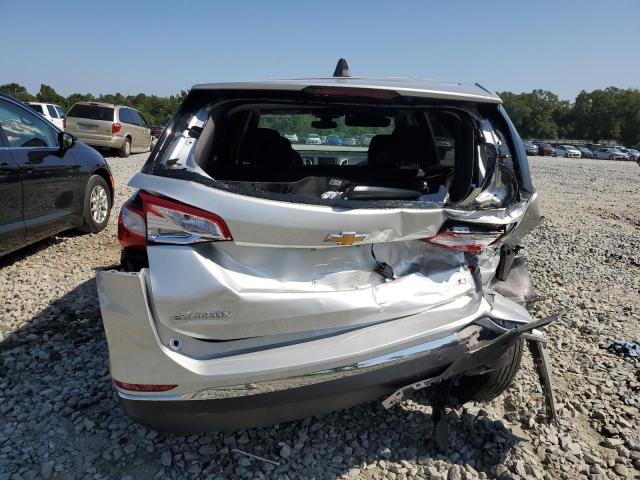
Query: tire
(566, 155)
(610, 157)
(97, 205)
(486, 387)
(125, 149)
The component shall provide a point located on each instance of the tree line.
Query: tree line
(157, 110)
(607, 114)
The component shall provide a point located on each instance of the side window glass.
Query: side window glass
(138, 118)
(24, 129)
(52, 111)
(124, 115)
(37, 108)
(60, 111)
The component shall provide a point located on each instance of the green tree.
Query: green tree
(49, 95)
(17, 91)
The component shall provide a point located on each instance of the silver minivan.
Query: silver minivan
(106, 125)
(256, 287)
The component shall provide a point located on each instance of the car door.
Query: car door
(144, 131)
(51, 183)
(12, 227)
(127, 119)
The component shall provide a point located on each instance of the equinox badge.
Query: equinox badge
(346, 238)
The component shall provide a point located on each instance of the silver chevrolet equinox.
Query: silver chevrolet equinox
(262, 282)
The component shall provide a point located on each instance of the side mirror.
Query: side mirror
(66, 140)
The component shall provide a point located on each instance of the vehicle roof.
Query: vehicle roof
(101, 104)
(44, 103)
(405, 86)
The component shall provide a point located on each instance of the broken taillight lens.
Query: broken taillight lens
(464, 240)
(149, 219)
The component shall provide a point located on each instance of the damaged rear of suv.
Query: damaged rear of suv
(262, 281)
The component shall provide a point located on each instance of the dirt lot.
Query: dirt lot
(59, 417)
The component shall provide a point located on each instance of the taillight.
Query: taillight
(64, 123)
(149, 219)
(115, 127)
(463, 239)
(132, 228)
(143, 387)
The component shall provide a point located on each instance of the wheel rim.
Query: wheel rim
(99, 203)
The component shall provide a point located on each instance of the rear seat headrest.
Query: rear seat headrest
(413, 145)
(379, 154)
(265, 147)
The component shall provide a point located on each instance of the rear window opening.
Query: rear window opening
(298, 150)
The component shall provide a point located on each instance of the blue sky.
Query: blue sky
(164, 47)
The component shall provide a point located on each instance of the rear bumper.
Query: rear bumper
(327, 391)
(274, 384)
(105, 142)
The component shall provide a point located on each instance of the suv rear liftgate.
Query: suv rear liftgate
(241, 280)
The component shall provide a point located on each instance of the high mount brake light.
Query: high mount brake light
(470, 242)
(142, 387)
(150, 219)
(376, 93)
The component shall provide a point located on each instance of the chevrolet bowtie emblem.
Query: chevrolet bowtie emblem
(346, 238)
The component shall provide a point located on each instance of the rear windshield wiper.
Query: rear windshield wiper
(365, 192)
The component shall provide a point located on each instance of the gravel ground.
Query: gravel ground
(59, 418)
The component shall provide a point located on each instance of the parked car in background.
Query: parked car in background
(632, 153)
(585, 152)
(365, 139)
(349, 140)
(54, 113)
(608, 153)
(567, 151)
(48, 181)
(334, 140)
(595, 146)
(545, 149)
(112, 126)
(530, 148)
(292, 137)
(297, 288)
(313, 139)
(156, 131)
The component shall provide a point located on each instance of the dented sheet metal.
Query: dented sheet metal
(262, 222)
(226, 291)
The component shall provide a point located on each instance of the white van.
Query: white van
(54, 113)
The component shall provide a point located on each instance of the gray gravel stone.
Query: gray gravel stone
(58, 409)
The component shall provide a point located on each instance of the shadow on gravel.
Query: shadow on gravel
(24, 252)
(60, 419)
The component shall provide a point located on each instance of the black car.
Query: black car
(48, 181)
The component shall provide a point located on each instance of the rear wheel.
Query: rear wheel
(97, 205)
(610, 157)
(125, 149)
(486, 387)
